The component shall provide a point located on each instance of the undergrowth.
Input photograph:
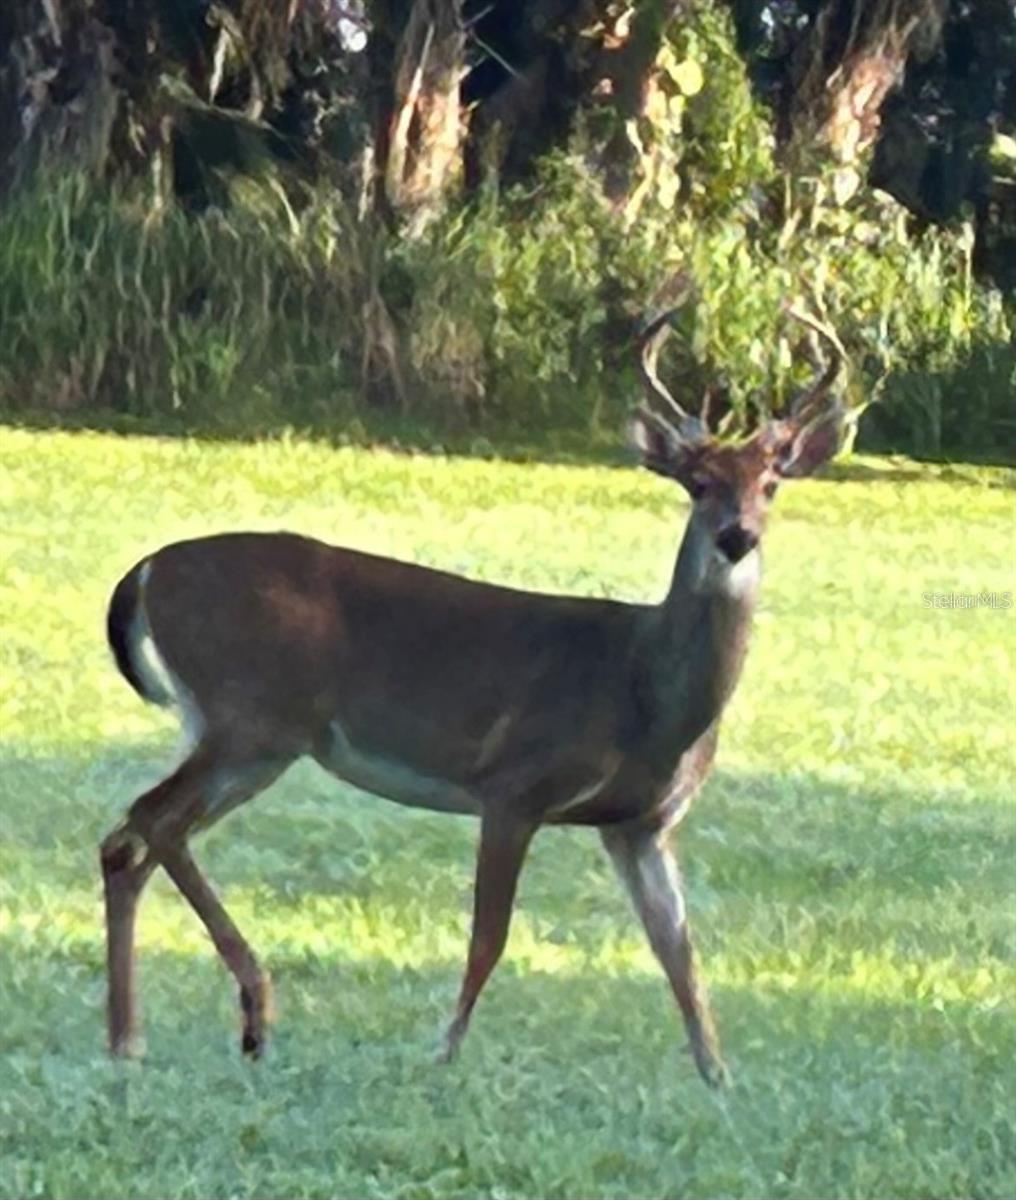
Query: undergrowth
(517, 308)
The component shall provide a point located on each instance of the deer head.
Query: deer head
(732, 484)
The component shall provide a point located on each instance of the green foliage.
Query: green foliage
(528, 274)
(517, 309)
(107, 304)
(968, 406)
(725, 143)
(849, 865)
(551, 279)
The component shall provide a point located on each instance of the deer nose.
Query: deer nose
(735, 541)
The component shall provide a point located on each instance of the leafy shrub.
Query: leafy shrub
(105, 304)
(516, 308)
(551, 278)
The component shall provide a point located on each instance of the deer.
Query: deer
(444, 693)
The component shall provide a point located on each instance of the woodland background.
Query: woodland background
(444, 219)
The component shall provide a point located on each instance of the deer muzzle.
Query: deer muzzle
(735, 542)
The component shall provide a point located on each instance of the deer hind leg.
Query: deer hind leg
(205, 787)
(650, 874)
(504, 841)
(126, 868)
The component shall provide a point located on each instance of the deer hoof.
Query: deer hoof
(449, 1049)
(252, 1046)
(710, 1066)
(128, 1048)
(256, 1009)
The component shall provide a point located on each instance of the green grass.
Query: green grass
(849, 865)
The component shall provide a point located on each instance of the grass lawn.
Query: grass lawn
(850, 865)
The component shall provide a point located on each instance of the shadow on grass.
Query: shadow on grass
(576, 1021)
(605, 447)
(941, 469)
(581, 1076)
(501, 441)
(824, 1060)
(765, 838)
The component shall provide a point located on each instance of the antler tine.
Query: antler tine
(818, 391)
(651, 339)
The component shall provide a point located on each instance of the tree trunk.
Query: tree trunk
(852, 54)
(417, 61)
(627, 70)
(58, 100)
(552, 62)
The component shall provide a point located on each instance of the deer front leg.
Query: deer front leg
(504, 840)
(647, 867)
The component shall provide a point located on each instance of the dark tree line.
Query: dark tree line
(409, 102)
(927, 85)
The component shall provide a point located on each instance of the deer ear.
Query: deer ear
(809, 448)
(659, 445)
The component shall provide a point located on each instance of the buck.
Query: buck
(443, 693)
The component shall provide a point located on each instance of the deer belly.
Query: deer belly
(389, 777)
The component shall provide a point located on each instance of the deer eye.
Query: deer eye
(697, 488)
(770, 489)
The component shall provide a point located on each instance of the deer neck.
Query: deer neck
(696, 640)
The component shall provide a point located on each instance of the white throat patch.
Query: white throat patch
(734, 579)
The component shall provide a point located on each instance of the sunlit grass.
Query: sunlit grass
(849, 864)
(369, 932)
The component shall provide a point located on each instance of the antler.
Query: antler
(652, 337)
(808, 403)
(650, 341)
